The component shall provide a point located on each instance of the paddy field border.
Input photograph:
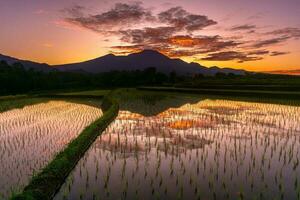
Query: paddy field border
(46, 183)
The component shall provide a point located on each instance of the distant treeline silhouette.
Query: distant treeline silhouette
(15, 79)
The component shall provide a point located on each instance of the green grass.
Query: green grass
(45, 184)
(89, 92)
(9, 97)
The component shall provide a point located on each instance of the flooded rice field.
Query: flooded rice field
(30, 138)
(213, 149)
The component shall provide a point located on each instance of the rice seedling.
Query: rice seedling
(32, 136)
(213, 149)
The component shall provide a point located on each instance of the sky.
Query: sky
(256, 35)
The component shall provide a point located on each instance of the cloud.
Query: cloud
(164, 36)
(269, 42)
(174, 32)
(126, 49)
(286, 32)
(208, 43)
(147, 35)
(241, 56)
(259, 52)
(76, 11)
(121, 14)
(278, 53)
(169, 51)
(183, 20)
(230, 55)
(245, 27)
(181, 53)
(202, 44)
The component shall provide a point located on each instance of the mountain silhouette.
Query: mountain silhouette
(143, 60)
(26, 63)
(135, 61)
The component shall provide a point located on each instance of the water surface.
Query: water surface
(212, 149)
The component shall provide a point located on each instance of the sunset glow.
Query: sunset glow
(253, 35)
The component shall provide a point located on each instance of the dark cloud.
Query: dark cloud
(123, 14)
(287, 32)
(269, 42)
(231, 55)
(147, 35)
(251, 31)
(183, 20)
(259, 52)
(120, 15)
(245, 27)
(241, 56)
(278, 53)
(164, 36)
(181, 53)
(75, 11)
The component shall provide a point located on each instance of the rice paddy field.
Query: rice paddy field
(199, 149)
(31, 136)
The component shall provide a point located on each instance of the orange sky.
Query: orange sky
(252, 35)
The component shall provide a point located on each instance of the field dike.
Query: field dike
(46, 183)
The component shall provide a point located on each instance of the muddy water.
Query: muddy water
(30, 138)
(213, 149)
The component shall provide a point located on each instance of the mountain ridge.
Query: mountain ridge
(142, 60)
(26, 63)
(135, 61)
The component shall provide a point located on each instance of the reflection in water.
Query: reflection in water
(31, 136)
(208, 150)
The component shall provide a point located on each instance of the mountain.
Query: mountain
(135, 61)
(26, 63)
(143, 60)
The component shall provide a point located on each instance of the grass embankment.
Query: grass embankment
(45, 184)
(87, 92)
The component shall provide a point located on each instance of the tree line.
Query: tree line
(15, 79)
